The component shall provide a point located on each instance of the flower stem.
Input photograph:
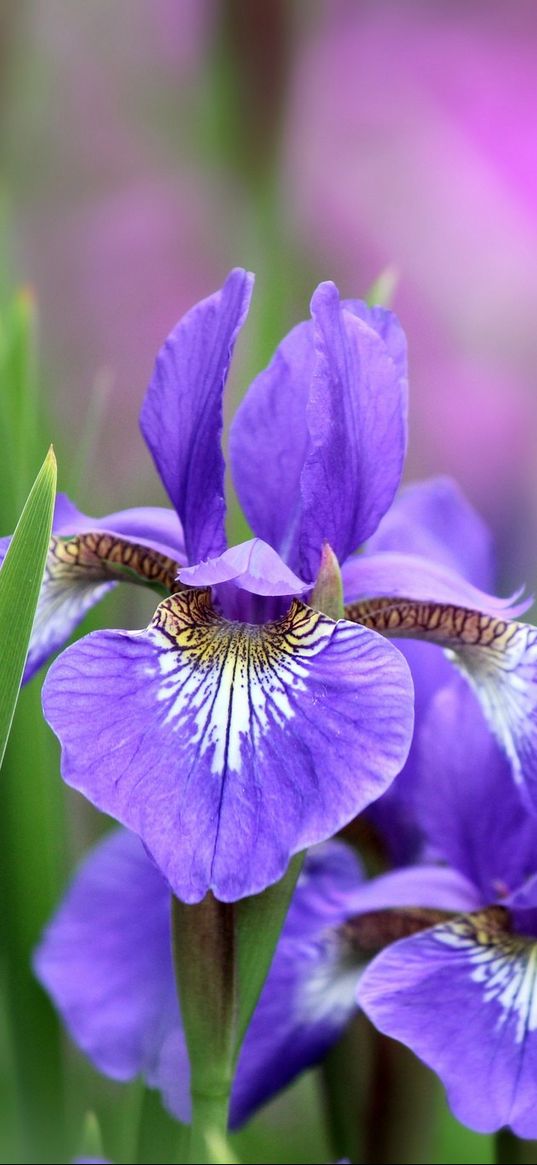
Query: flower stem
(204, 958)
(507, 1148)
(209, 1129)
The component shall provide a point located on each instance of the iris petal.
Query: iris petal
(181, 417)
(79, 572)
(497, 655)
(357, 426)
(229, 747)
(463, 996)
(253, 566)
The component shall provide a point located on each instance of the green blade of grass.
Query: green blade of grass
(20, 583)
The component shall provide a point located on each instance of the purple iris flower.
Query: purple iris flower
(243, 726)
(462, 993)
(106, 961)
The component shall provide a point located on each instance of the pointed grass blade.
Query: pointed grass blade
(20, 583)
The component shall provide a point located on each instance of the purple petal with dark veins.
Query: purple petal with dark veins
(463, 997)
(69, 588)
(181, 417)
(230, 747)
(390, 573)
(153, 526)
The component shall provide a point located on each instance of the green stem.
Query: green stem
(209, 1128)
(343, 1083)
(507, 1148)
(204, 959)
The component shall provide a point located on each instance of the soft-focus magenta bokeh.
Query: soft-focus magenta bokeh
(135, 174)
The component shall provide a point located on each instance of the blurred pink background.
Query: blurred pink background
(149, 147)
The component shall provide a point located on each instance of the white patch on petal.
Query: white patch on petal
(505, 966)
(230, 681)
(329, 992)
(60, 608)
(503, 675)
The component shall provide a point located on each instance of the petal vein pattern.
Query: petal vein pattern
(80, 570)
(463, 996)
(504, 964)
(497, 656)
(228, 747)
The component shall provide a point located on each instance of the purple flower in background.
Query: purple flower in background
(106, 961)
(460, 992)
(463, 993)
(238, 729)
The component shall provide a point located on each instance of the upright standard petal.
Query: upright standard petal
(229, 747)
(463, 997)
(357, 425)
(181, 417)
(271, 424)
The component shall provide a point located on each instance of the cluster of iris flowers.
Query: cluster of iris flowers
(265, 707)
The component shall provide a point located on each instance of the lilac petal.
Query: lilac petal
(434, 520)
(105, 961)
(310, 993)
(390, 574)
(434, 887)
(462, 996)
(230, 747)
(466, 802)
(497, 656)
(181, 417)
(271, 423)
(153, 526)
(253, 566)
(388, 327)
(357, 423)
(74, 583)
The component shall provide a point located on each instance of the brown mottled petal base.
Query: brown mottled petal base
(497, 656)
(80, 570)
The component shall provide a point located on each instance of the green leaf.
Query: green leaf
(20, 583)
(258, 924)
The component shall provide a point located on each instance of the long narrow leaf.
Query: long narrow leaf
(20, 582)
(259, 921)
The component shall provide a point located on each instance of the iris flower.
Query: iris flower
(106, 961)
(243, 725)
(455, 977)
(462, 993)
